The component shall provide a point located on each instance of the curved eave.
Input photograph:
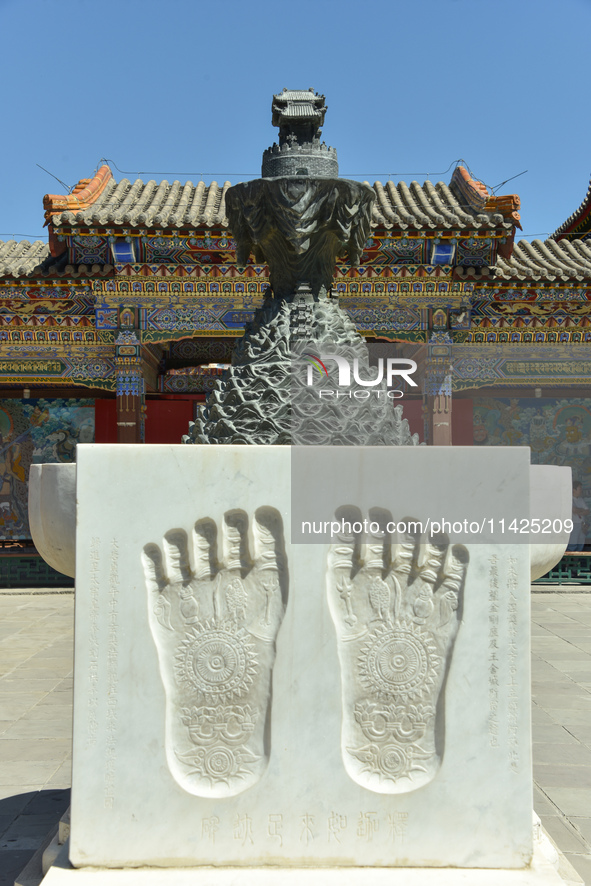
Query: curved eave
(579, 223)
(552, 261)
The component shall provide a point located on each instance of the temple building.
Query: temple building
(116, 329)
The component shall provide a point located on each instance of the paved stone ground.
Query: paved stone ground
(561, 684)
(36, 642)
(36, 657)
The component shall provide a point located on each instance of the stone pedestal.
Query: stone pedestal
(241, 701)
(540, 873)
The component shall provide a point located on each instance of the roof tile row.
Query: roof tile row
(19, 258)
(151, 205)
(549, 260)
(459, 206)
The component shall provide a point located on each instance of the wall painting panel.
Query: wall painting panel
(34, 431)
(557, 430)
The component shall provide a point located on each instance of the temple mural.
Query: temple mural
(558, 431)
(34, 431)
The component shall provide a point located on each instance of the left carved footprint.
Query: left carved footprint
(215, 627)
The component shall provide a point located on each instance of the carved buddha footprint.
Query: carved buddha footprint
(215, 626)
(396, 609)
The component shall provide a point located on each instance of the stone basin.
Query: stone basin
(52, 514)
(550, 491)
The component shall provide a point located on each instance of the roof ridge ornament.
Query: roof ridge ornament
(475, 195)
(83, 194)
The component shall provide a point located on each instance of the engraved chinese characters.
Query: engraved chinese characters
(396, 618)
(215, 627)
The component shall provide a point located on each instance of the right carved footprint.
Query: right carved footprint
(396, 618)
(215, 628)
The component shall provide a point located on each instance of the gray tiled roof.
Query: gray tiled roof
(20, 258)
(174, 205)
(429, 206)
(547, 261)
(152, 205)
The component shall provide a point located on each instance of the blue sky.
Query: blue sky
(185, 86)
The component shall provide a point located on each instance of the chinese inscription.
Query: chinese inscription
(112, 677)
(493, 652)
(513, 704)
(93, 643)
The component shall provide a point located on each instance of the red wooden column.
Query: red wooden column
(129, 377)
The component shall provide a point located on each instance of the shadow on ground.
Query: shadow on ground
(25, 821)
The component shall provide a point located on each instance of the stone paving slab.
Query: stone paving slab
(36, 650)
(561, 690)
(36, 660)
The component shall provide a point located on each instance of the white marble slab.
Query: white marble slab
(194, 744)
